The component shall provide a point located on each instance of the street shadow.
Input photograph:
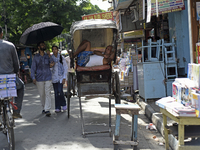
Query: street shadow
(35, 130)
(106, 104)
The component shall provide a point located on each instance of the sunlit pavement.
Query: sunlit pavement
(35, 131)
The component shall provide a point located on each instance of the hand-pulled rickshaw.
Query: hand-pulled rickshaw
(100, 81)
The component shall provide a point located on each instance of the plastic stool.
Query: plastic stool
(133, 110)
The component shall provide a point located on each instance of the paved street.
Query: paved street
(35, 131)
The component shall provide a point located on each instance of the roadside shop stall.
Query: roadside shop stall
(131, 22)
(131, 35)
(128, 70)
(128, 75)
(164, 20)
(157, 69)
(183, 107)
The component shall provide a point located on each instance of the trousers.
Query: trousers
(19, 98)
(59, 95)
(44, 88)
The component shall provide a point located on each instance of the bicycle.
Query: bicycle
(7, 121)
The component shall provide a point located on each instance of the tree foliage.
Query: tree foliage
(20, 14)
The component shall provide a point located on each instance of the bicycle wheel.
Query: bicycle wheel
(8, 128)
(10, 138)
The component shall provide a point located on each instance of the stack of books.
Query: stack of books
(176, 108)
(163, 102)
(184, 111)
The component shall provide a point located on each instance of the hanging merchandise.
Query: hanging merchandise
(148, 11)
(198, 53)
(126, 70)
(141, 10)
(198, 10)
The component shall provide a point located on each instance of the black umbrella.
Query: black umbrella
(40, 32)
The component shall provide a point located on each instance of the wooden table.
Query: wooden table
(182, 121)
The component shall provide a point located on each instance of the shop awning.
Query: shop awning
(122, 4)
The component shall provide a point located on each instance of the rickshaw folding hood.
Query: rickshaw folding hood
(92, 24)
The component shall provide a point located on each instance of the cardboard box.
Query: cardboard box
(189, 71)
(176, 90)
(182, 89)
(8, 90)
(194, 73)
(196, 103)
(5, 78)
(8, 85)
(11, 92)
(128, 80)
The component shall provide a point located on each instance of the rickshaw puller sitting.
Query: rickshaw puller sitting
(87, 58)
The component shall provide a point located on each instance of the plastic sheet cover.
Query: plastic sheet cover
(92, 24)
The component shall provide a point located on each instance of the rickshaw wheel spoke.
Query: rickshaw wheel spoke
(117, 89)
(68, 93)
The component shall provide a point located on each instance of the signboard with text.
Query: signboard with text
(141, 9)
(148, 11)
(198, 10)
(105, 15)
(118, 21)
(167, 6)
(134, 34)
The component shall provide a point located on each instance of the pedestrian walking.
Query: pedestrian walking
(67, 58)
(41, 75)
(9, 64)
(59, 76)
(72, 71)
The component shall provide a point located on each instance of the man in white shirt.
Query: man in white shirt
(87, 57)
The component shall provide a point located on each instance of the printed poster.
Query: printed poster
(198, 10)
(198, 53)
(148, 11)
(166, 6)
(157, 8)
(105, 15)
(141, 10)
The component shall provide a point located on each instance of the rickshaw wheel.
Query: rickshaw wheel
(69, 81)
(117, 92)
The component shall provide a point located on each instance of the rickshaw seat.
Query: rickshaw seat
(93, 68)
